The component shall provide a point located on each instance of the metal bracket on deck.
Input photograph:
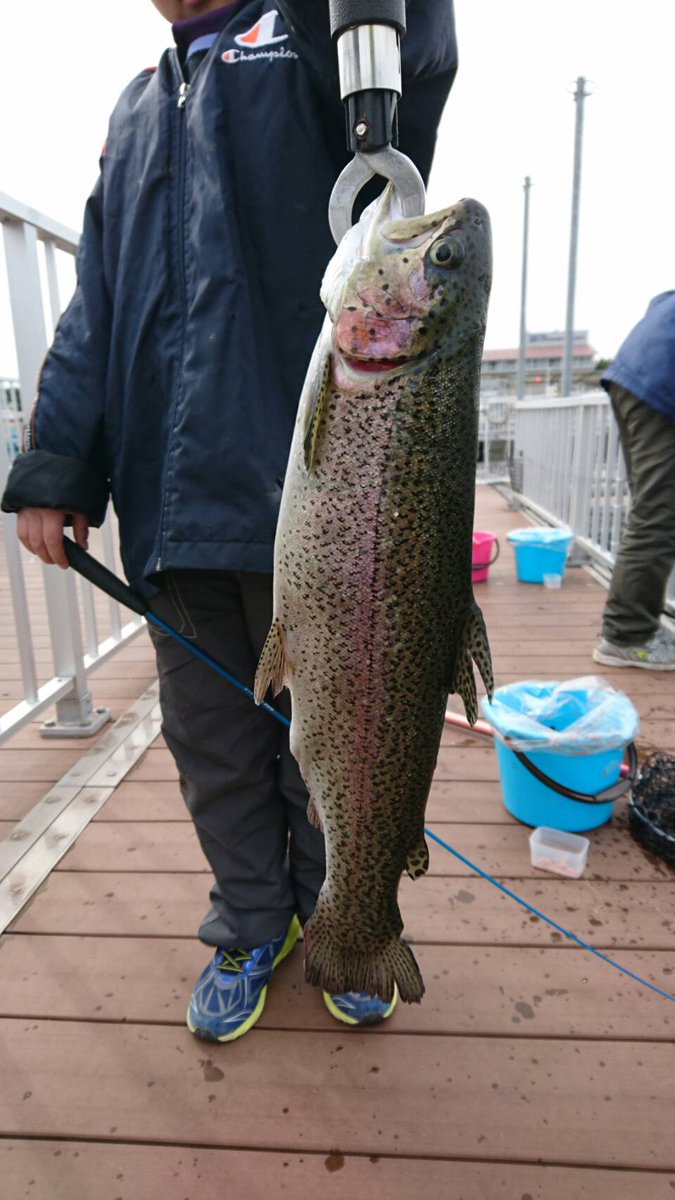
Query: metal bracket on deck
(76, 717)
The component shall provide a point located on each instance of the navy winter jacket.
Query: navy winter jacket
(645, 362)
(176, 370)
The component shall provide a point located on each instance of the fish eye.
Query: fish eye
(447, 252)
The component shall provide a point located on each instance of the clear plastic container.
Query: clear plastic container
(560, 852)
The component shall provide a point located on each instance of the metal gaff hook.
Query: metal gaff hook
(387, 162)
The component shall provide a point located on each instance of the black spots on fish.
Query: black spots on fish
(417, 862)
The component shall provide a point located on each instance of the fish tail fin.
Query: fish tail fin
(474, 647)
(417, 862)
(274, 667)
(339, 968)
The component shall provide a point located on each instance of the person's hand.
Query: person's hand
(40, 530)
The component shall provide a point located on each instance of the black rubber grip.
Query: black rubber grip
(88, 566)
(344, 14)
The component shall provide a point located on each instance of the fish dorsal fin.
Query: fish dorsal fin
(479, 647)
(316, 415)
(474, 646)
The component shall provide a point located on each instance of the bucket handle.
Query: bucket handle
(491, 563)
(604, 797)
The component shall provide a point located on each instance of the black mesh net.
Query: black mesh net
(651, 812)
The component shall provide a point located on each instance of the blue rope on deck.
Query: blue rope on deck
(273, 712)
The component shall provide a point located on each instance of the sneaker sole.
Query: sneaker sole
(372, 1020)
(608, 660)
(294, 931)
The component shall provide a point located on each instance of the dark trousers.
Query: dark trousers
(647, 553)
(238, 778)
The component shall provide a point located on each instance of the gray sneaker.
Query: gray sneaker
(658, 654)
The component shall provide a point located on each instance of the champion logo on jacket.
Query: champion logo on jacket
(262, 34)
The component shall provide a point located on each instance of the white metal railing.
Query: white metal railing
(568, 469)
(32, 243)
(496, 432)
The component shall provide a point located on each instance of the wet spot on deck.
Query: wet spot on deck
(211, 1074)
(525, 1010)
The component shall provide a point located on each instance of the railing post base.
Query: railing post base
(76, 717)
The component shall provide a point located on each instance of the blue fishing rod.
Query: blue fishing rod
(90, 568)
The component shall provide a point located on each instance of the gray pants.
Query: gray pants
(238, 778)
(647, 553)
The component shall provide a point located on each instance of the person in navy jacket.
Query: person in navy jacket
(641, 385)
(172, 386)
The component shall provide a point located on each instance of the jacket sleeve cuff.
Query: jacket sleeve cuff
(42, 480)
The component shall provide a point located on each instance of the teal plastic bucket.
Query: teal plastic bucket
(540, 552)
(575, 735)
(535, 803)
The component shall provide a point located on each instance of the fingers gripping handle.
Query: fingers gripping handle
(90, 568)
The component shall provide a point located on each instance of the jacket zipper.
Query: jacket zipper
(180, 105)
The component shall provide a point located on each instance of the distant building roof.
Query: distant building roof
(540, 350)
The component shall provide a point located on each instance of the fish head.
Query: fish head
(402, 291)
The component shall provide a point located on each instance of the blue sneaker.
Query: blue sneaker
(230, 993)
(358, 1008)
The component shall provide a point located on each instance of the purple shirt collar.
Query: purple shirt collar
(186, 31)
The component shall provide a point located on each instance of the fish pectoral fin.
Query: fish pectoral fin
(313, 815)
(474, 647)
(315, 418)
(417, 862)
(274, 667)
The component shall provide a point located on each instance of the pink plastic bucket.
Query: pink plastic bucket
(483, 545)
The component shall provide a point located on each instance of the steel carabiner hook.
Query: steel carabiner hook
(391, 165)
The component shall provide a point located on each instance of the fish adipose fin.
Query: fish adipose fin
(417, 862)
(474, 647)
(315, 417)
(338, 968)
(274, 667)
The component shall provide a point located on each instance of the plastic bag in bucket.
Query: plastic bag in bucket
(560, 747)
(540, 552)
(483, 543)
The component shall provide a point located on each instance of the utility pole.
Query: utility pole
(523, 291)
(579, 97)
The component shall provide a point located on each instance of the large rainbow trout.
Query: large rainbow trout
(375, 620)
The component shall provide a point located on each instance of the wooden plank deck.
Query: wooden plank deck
(531, 1071)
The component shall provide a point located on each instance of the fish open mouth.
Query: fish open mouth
(376, 365)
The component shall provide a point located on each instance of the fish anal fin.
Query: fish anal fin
(417, 862)
(274, 667)
(315, 418)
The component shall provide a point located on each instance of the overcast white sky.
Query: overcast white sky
(511, 114)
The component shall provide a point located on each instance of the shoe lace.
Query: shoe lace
(234, 962)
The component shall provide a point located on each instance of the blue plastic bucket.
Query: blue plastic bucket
(534, 803)
(540, 552)
(576, 735)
